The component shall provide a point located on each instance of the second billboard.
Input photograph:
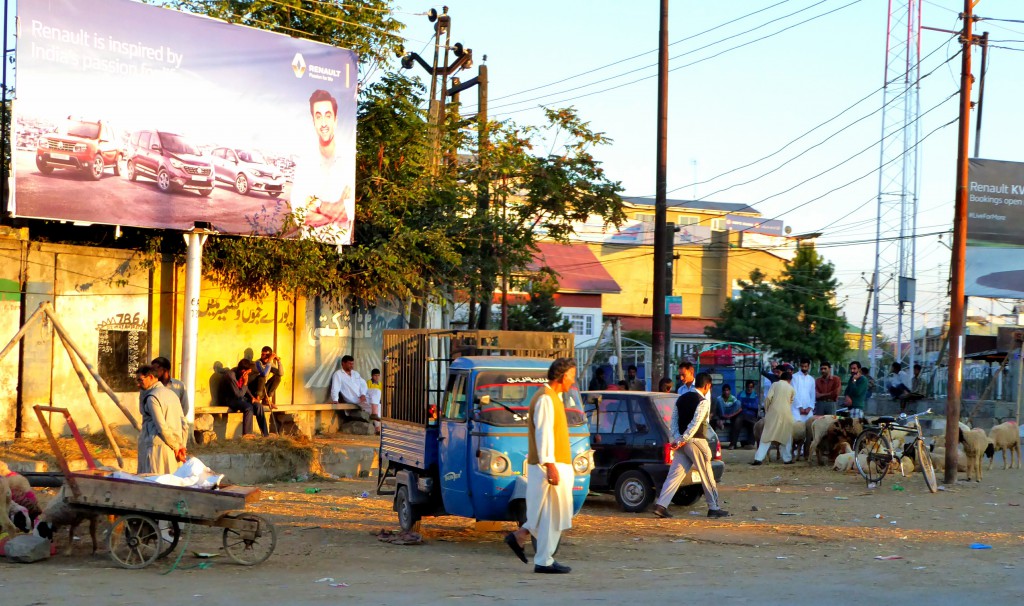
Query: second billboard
(128, 114)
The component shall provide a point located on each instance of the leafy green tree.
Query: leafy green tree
(796, 317)
(808, 288)
(367, 27)
(540, 312)
(533, 197)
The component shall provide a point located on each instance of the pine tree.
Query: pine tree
(540, 312)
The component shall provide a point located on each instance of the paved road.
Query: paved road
(113, 200)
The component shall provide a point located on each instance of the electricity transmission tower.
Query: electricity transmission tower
(894, 280)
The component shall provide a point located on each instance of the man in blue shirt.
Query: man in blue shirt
(750, 405)
(685, 378)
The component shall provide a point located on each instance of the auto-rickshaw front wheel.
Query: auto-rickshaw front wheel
(407, 512)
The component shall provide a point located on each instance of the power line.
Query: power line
(805, 134)
(692, 63)
(597, 69)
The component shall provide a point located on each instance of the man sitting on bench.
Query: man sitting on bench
(234, 393)
(348, 387)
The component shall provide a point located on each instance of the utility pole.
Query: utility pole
(981, 94)
(660, 206)
(959, 253)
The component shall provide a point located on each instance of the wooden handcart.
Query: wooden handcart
(135, 539)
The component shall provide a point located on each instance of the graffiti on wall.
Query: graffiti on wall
(359, 333)
(246, 312)
(122, 346)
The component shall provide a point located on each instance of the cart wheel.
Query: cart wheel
(175, 531)
(250, 549)
(134, 541)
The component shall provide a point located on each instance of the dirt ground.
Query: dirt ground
(812, 539)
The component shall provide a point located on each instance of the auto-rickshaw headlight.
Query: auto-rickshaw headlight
(493, 462)
(583, 463)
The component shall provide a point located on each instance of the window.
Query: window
(611, 416)
(644, 217)
(144, 140)
(455, 404)
(683, 220)
(718, 224)
(582, 324)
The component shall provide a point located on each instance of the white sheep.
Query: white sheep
(1005, 438)
(844, 462)
(976, 445)
(906, 466)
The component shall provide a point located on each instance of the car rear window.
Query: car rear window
(665, 405)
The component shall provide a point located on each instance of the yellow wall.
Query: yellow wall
(702, 275)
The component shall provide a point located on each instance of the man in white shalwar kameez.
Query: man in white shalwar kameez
(550, 475)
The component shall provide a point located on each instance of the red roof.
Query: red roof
(680, 326)
(577, 267)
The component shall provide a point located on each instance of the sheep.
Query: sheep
(844, 461)
(800, 440)
(22, 494)
(906, 466)
(758, 430)
(829, 430)
(58, 513)
(6, 503)
(938, 456)
(976, 444)
(1005, 438)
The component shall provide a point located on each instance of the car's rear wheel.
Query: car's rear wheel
(43, 166)
(163, 180)
(688, 495)
(129, 169)
(117, 164)
(241, 184)
(96, 168)
(634, 491)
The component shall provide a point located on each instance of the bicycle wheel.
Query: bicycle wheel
(924, 461)
(873, 454)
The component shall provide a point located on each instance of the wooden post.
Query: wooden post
(21, 333)
(47, 308)
(92, 400)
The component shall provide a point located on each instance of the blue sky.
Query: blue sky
(740, 105)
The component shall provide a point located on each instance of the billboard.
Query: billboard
(129, 114)
(995, 241)
(770, 227)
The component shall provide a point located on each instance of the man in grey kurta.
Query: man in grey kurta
(162, 437)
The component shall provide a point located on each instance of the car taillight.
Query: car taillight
(718, 451)
(669, 454)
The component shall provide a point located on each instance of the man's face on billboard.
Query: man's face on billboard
(324, 121)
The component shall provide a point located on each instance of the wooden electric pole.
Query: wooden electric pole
(959, 253)
(658, 337)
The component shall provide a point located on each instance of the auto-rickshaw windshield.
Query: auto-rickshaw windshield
(509, 394)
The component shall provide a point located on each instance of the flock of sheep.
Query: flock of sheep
(830, 438)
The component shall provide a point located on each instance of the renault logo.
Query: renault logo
(299, 65)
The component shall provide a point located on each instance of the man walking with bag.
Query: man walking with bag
(689, 440)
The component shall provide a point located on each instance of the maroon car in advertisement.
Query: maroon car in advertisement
(89, 147)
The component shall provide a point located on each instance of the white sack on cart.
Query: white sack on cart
(193, 473)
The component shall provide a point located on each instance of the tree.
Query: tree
(367, 27)
(537, 196)
(540, 312)
(796, 317)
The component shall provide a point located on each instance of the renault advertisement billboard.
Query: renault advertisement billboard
(136, 115)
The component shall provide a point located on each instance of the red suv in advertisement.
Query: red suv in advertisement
(170, 160)
(81, 145)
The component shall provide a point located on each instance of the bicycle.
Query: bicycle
(875, 455)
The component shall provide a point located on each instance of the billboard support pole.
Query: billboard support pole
(959, 252)
(195, 240)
